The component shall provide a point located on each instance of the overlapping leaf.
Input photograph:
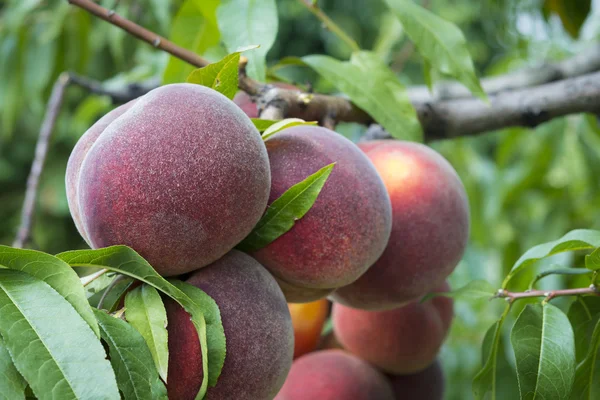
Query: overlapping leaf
(53, 348)
(283, 213)
(131, 359)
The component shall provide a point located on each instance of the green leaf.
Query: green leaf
(427, 75)
(52, 347)
(146, 312)
(584, 315)
(214, 328)
(12, 383)
(544, 346)
(283, 213)
(572, 13)
(587, 375)
(56, 273)
(440, 42)
(243, 23)
(474, 290)
(580, 239)
(283, 124)
(372, 86)
(486, 381)
(221, 76)
(592, 261)
(262, 124)
(194, 28)
(99, 284)
(130, 359)
(113, 298)
(126, 261)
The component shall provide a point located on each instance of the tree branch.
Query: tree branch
(527, 107)
(329, 24)
(524, 98)
(583, 63)
(41, 150)
(548, 294)
(118, 96)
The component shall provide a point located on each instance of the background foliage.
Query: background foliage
(525, 186)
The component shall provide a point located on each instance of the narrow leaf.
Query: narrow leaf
(580, 239)
(114, 297)
(440, 42)
(572, 13)
(283, 124)
(12, 383)
(146, 312)
(485, 383)
(56, 273)
(372, 86)
(194, 28)
(474, 290)
(584, 315)
(214, 328)
(283, 213)
(592, 261)
(544, 346)
(587, 375)
(126, 261)
(221, 76)
(244, 23)
(130, 358)
(52, 347)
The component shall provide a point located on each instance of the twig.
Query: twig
(141, 33)
(41, 150)
(559, 271)
(329, 24)
(548, 294)
(118, 96)
(86, 280)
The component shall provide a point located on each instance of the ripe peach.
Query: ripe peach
(334, 375)
(308, 320)
(405, 340)
(348, 226)
(258, 331)
(78, 155)
(182, 176)
(430, 227)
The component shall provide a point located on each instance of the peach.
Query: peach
(334, 375)
(258, 331)
(182, 177)
(425, 385)
(78, 155)
(405, 340)
(308, 320)
(430, 227)
(348, 226)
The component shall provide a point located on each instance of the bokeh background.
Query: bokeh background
(525, 186)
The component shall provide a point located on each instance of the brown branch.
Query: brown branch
(522, 105)
(118, 95)
(41, 150)
(548, 294)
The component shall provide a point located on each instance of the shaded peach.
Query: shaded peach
(181, 177)
(428, 384)
(258, 331)
(349, 224)
(405, 340)
(430, 227)
(334, 375)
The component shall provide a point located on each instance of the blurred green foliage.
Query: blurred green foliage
(525, 186)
